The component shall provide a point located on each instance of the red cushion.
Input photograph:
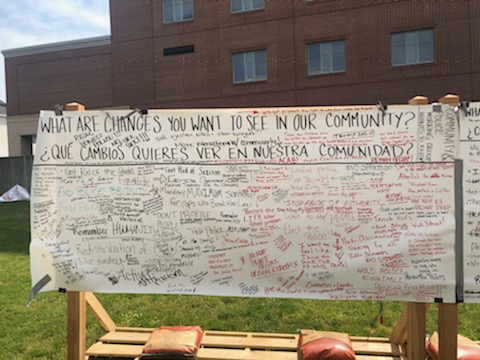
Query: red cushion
(466, 350)
(182, 340)
(319, 345)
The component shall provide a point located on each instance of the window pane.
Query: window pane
(338, 61)
(313, 58)
(260, 65)
(326, 57)
(398, 55)
(398, 39)
(249, 66)
(338, 56)
(425, 36)
(167, 7)
(177, 10)
(258, 4)
(247, 4)
(236, 5)
(425, 44)
(411, 46)
(187, 9)
(398, 48)
(238, 72)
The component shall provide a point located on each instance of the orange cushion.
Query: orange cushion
(325, 345)
(167, 341)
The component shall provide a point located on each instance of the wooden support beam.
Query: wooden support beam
(100, 313)
(399, 333)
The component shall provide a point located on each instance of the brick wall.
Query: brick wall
(134, 71)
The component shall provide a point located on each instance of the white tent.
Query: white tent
(16, 193)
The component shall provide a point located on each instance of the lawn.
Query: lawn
(39, 331)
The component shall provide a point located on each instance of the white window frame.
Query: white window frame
(250, 70)
(408, 46)
(177, 8)
(246, 5)
(326, 57)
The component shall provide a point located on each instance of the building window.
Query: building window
(249, 66)
(246, 5)
(177, 10)
(412, 47)
(326, 57)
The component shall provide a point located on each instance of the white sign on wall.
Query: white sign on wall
(3, 136)
(324, 202)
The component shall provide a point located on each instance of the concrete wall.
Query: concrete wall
(21, 130)
(15, 170)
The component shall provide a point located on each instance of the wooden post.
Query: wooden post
(74, 106)
(452, 100)
(448, 313)
(416, 312)
(76, 332)
(411, 326)
(76, 304)
(447, 331)
(418, 100)
(416, 331)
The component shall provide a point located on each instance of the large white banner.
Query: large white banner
(325, 203)
(470, 153)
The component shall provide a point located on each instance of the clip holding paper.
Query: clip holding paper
(438, 300)
(143, 111)
(62, 290)
(464, 106)
(382, 108)
(129, 114)
(58, 110)
(436, 107)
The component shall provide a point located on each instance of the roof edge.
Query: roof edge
(58, 46)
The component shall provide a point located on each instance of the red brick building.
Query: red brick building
(251, 53)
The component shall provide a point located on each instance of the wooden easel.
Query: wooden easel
(410, 329)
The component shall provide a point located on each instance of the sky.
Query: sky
(37, 22)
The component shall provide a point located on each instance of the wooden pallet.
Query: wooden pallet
(221, 345)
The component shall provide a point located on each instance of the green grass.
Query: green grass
(39, 331)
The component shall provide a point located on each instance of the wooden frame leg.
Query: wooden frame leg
(447, 331)
(416, 331)
(76, 327)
